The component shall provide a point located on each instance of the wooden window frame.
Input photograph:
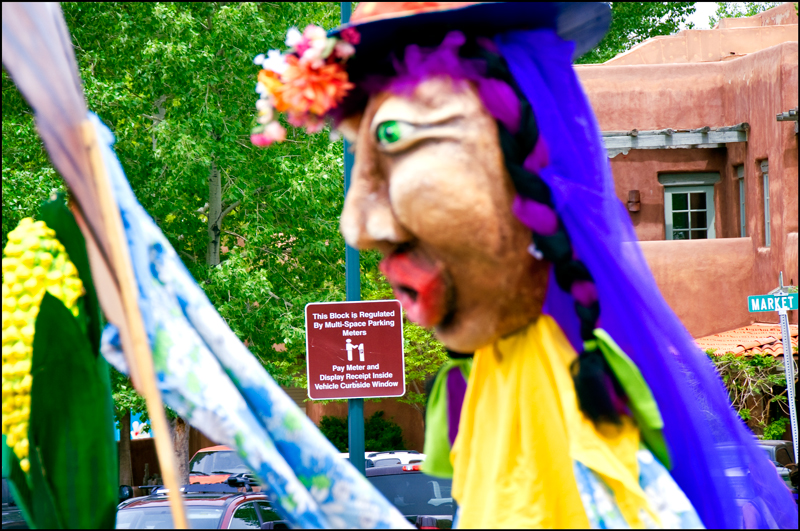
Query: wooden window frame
(742, 202)
(687, 183)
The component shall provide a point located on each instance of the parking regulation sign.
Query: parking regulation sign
(355, 350)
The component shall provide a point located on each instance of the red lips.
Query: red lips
(418, 284)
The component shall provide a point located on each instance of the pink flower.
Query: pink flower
(302, 46)
(260, 140)
(314, 124)
(344, 49)
(274, 132)
(314, 33)
(351, 35)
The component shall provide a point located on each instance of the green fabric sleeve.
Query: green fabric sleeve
(643, 405)
(437, 425)
(437, 444)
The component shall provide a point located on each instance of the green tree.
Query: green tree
(754, 383)
(258, 228)
(738, 10)
(635, 22)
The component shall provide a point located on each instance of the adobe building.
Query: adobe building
(701, 133)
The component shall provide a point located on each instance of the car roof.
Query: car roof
(221, 499)
(774, 443)
(218, 448)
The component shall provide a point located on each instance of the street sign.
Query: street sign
(781, 301)
(355, 350)
(772, 303)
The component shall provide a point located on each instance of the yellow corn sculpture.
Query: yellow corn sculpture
(34, 261)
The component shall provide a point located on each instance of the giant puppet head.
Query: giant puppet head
(481, 176)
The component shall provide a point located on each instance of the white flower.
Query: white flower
(259, 59)
(264, 110)
(293, 37)
(260, 88)
(275, 61)
(312, 57)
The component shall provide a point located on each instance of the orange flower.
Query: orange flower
(272, 82)
(313, 90)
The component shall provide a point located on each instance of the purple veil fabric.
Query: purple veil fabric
(715, 459)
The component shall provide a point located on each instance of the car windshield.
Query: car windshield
(416, 494)
(199, 517)
(224, 462)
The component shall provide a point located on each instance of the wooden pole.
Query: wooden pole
(141, 359)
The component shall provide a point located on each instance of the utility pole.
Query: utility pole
(355, 406)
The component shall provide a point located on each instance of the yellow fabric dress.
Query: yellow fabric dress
(520, 432)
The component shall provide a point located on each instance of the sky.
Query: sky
(703, 10)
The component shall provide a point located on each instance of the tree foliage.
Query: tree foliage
(635, 22)
(175, 83)
(739, 9)
(380, 434)
(754, 383)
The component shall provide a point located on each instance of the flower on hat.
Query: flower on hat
(306, 82)
(351, 35)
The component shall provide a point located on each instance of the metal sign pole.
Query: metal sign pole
(788, 366)
(355, 406)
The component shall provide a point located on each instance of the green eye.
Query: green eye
(392, 131)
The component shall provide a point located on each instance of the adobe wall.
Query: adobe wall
(752, 89)
(705, 282)
(408, 418)
(701, 46)
(779, 15)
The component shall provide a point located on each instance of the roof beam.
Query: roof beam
(704, 137)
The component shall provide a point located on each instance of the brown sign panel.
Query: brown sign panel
(355, 349)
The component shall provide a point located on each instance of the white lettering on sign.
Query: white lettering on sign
(354, 349)
(766, 303)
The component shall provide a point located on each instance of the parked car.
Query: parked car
(425, 500)
(207, 507)
(781, 453)
(215, 464)
(390, 457)
(395, 457)
(12, 516)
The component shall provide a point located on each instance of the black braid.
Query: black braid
(590, 370)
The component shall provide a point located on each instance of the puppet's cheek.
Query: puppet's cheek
(444, 204)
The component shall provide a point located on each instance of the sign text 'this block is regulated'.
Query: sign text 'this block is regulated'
(355, 349)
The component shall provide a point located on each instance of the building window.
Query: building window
(765, 177)
(742, 216)
(689, 205)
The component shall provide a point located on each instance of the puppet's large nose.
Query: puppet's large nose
(368, 220)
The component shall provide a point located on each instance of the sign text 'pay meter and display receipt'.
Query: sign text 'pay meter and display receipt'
(355, 350)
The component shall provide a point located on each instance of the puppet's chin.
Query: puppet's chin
(419, 285)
